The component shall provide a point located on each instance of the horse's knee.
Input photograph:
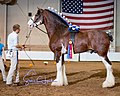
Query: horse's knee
(57, 57)
(106, 58)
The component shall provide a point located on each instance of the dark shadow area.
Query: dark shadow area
(117, 84)
(70, 74)
(100, 74)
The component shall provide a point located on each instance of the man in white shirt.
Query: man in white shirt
(13, 46)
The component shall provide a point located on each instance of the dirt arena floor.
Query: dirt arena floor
(85, 79)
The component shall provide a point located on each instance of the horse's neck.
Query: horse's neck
(53, 27)
(50, 28)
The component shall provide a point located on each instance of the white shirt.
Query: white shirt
(12, 41)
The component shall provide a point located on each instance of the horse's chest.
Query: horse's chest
(54, 44)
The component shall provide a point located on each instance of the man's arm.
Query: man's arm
(16, 42)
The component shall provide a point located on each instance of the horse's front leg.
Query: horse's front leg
(61, 78)
(65, 82)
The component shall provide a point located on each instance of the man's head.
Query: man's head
(16, 28)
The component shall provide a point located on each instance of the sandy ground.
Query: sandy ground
(85, 79)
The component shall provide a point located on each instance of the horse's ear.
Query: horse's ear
(38, 8)
(41, 10)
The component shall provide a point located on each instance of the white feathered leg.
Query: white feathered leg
(110, 79)
(59, 78)
(65, 81)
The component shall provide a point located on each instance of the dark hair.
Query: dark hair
(15, 27)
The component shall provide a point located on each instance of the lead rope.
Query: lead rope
(27, 40)
(41, 30)
(25, 50)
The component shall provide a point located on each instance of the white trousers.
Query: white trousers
(2, 68)
(14, 69)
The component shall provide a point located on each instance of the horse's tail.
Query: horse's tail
(110, 36)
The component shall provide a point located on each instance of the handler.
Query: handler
(13, 46)
(2, 54)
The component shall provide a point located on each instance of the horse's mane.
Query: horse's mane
(60, 18)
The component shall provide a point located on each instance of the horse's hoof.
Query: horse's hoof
(65, 84)
(56, 83)
(107, 84)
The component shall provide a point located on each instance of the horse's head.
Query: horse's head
(37, 19)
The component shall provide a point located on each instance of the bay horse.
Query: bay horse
(59, 36)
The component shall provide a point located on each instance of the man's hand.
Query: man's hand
(21, 47)
(4, 59)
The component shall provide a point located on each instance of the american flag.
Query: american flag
(89, 14)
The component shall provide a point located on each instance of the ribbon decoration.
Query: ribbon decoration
(70, 50)
(73, 28)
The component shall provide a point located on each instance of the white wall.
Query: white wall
(38, 55)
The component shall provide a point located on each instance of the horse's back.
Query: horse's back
(97, 36)
(93, 39)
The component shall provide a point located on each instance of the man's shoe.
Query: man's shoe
(19, 83)
(4, 81)
(9, 85)
(16, 83)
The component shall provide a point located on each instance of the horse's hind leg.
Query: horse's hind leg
(110, 80)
